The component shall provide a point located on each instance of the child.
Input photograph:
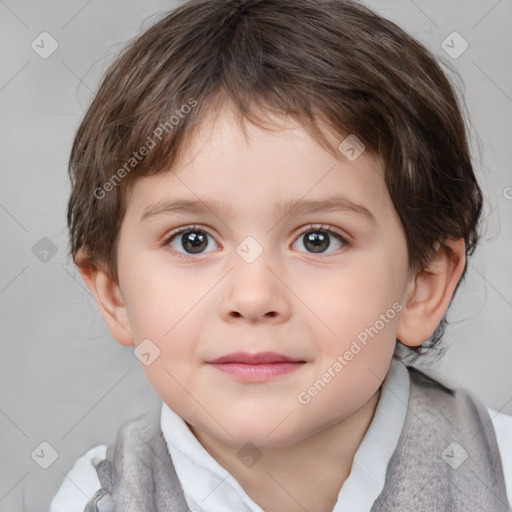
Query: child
(255, 128)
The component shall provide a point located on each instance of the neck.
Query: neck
(321, 462)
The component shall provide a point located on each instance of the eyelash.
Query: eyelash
(195, 227)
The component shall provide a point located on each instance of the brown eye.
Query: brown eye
(190, 239)
(318, 239)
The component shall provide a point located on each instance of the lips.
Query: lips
(256, 368)
(259, 358)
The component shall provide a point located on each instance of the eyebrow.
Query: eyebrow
(291, 206)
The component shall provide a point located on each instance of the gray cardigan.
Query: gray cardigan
(447, 459)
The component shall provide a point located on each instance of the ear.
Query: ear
(107, 294)
(430, 292)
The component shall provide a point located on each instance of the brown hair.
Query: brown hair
(331, 63)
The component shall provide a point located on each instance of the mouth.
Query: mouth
(256, 367)
(259, 358)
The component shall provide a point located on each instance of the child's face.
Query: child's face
(304, 297)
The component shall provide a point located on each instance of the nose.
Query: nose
(253, 292)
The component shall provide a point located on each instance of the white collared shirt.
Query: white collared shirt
(208, 487)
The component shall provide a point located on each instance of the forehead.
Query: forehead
(270, 168)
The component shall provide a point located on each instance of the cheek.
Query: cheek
(157, 296)
(355, 296)
(167, 310)
(361, 308)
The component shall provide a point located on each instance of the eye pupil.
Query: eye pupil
(192, 241)
(318, 240)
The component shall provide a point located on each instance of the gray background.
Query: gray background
(63, 379)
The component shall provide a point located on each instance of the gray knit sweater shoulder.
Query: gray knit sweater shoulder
(447, 459)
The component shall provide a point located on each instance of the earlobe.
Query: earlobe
(110, 302)
(430, 292)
